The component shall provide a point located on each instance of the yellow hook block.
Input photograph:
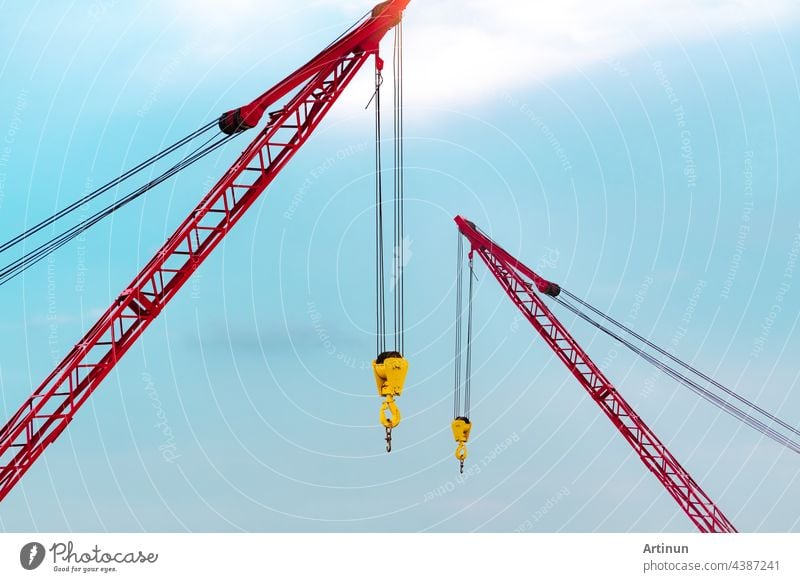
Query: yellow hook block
(461, 427)
(390, 369)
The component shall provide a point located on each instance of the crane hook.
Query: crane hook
(461, 427)
(391, 421)
(390, 370)
(388, 439)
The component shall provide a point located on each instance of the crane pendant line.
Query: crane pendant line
(520, 284)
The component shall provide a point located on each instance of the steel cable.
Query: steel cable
(16, 267)
(103, 189)
(715, 399)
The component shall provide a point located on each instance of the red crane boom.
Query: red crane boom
(52, 406)
(520, 284)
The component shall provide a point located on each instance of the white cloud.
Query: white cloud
(216, 28)
(462, 50)
(458, 51)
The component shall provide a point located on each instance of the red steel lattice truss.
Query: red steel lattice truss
(520, 284)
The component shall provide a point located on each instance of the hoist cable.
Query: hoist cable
(399, 239)
(105, 188)
(380, 298)
(459, 312)
(29, 259)
(398, 255)
(724, 405)
(462, 346)
(683, 364)
(468, 365)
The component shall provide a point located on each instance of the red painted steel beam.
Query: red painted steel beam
(52, 406)
(520, 282)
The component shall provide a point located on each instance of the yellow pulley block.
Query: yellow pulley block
(390, 369)
(461, 427)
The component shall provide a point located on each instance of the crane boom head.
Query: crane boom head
(363, 38)
(480, 240)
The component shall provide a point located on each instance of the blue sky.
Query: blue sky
(644, 160)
